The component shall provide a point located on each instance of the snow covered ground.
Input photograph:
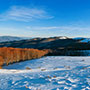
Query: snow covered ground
(86, 40)
(47, 73)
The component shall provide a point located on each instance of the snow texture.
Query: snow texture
(47, 73)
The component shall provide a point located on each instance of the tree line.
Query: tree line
(9, 55)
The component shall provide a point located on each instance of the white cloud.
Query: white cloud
(19, 13)
(70, 31)
(59, 28)
(49, 31)
(42, 28)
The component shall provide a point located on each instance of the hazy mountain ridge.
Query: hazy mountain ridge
(58, 45)
(11, 38)
(34, 43)
(15, 38)
(43, 43)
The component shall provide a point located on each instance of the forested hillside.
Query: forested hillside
(12, 55)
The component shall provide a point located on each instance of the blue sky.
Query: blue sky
(44, 18)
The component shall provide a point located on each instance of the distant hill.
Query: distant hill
(60, 42)
(42, 43)
(81, 39)
(11, 38)
(57, 45)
